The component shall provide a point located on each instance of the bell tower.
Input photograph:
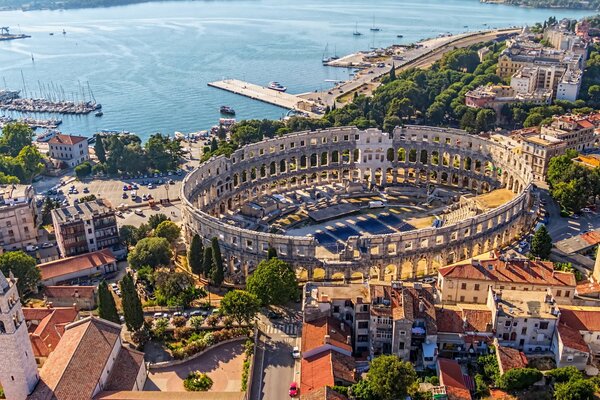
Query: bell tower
(18, 369)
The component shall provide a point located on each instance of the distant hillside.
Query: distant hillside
(574, 4)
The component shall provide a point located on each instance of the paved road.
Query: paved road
(563, 228)
(274, 367)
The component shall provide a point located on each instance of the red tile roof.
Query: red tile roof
(324, 393)
(571, 338)
(461, 319)
(588, 288)
(125, 370)
(313, 333)
(66, 139)
(63, 292)
(509, 358)
(74, 368)
(49, 327)
(408, 301)
(592, 237)
(451, 376)
(325, 369)
(516, 271)
(582, 319)
(54, 269)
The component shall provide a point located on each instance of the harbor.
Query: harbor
(268, 95)
(48, 106)
(32, 122)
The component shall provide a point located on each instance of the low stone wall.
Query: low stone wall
(173, 363)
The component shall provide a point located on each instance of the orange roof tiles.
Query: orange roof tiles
(588, 288)
(411, 303)
(86, 292)
(509, 358)
(46, 334)
(314, 332)
(582, 319)
(125, 370)
(66, 139)
(73, 369)
(324, 393)
(461, 319)
(451, 376)
(516, 271)
(591, 237)
(571, 338)
(54, 269)
(325, 369)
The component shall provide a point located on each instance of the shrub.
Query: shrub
(564, 374)
(212, 320)
(481, 387)
(196, 322)
(178, 322)
(519, 378)
(576, 389)
(183, 332)
(197, 381)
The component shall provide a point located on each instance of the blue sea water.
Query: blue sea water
(148, 64)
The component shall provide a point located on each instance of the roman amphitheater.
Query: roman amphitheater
(349, 203)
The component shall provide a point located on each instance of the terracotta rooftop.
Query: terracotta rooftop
(451, 376)
(325, 369)
(125, 370)
(413, 303)
(509, 358)
(46, 327)
(86, 292)
(86, 346)
(66, 139)
(463, 318)
(572, 339)
(313, 333)
(588, 288)
(54, 269)
(324, 393)
(581, 318)
(516, 271)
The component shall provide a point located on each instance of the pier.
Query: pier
(264, 94)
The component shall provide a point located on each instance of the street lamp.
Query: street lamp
(167, 189)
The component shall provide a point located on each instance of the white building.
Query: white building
(68, 150)
(18, 369)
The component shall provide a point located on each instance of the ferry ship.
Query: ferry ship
(227, 110)
(277, 86)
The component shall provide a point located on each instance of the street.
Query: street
(563, 228)
(274, 367)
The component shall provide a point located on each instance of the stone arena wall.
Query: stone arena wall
(411, 155)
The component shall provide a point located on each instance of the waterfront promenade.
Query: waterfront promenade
(281, 99)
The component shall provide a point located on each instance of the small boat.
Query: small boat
(399, 36)
(227, 110)
(374, 28)
(356, 32)
(277, 86)
(99, 114)
(64, 32)
(51, 33)
(32, 59)
(46, 135)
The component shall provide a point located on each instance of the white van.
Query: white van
(376, 204)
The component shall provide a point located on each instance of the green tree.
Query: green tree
(195, 254)
(241, 305)
(23, 268)
(362, 391)
(15, 136)
(30, 160)
(273, 282)
(594, 93)
(541, 244)
(132, 306)
(214, 145)
(159, 330)
(168, 230)
(577, 389)
(83, 170)
(390, 378)
(176, 289)
(218, 272)
(207, 262)
(99, 149)
(155, 220)
(128, 235)
(565, 374)
(519, 378)
(150, 251)
(107, 309)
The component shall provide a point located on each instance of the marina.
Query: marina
(32, 122)
(269, 95)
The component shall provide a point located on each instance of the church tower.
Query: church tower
(18, 369)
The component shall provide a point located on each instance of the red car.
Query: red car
(293, 389)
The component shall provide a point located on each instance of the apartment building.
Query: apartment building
(496, 96)
(85, 227)
(468, 282)
(17, 217)
(68, 150)
(577, 131)
(523, 319)
(538, 149)
(464, 330)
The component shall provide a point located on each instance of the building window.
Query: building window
(507, 324)
(567, 293)
(477, 286)
(544, 325)
(475, 299)
(462, 298)
(402, 333)
(363, 325)
(336, 309)
(463, 286)
(558, 293)
(401, 346)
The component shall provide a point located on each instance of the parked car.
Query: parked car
(430, 280)
(124, 195)
(47, 245)
(296, 352)
(31, 247)
(274, 315)
(86, 190)
(293, 389)
(196, 313)
(158, 315)
(139, 212)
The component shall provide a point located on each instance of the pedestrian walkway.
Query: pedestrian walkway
(288, 329)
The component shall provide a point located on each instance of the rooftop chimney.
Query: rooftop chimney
(418, 286)
(326, 339)
(421, 306)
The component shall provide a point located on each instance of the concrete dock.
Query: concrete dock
(262, 93)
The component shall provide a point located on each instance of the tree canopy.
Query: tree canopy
(153, 251)
(107, 309)
(24, 268)
(195, 255)
(241, 305)
(519, 378)
(541, 244)
(390, 378)
(217, 274)
(168, 230)
(273, 282)
(132, 306)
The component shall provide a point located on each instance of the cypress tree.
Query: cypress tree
(107, 309)
(271, 253)
(218, 273)
(195, 255)
(132, 306)
(99, 150)
(393, 73)
(207, 262)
